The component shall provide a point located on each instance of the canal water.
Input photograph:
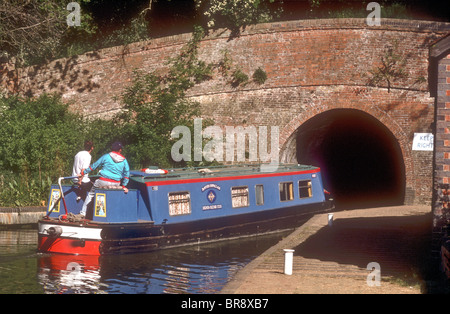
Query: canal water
(199, 269)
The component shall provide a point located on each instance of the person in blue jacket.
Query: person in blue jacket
(115, 171)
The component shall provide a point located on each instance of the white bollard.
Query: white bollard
(288, 261)
(330, 220)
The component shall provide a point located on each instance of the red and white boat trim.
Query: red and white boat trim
(69, 238)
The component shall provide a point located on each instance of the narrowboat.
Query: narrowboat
(173, 207)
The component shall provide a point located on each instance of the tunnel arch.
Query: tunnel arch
(363, 161)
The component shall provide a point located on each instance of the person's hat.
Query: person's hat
(116, 146)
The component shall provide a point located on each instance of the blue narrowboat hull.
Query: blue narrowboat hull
(140, 239)
(182, 208)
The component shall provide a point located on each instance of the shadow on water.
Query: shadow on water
(400, 245)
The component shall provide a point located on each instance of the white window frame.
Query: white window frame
(239, 196)
(179, 203)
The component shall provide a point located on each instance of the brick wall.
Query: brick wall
(440, 54)
(443, 123)
(312, 66)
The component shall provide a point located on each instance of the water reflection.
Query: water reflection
(200, 269)
(13, 242)
(69, 274)
(18, 261)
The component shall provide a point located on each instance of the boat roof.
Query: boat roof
(220, 171)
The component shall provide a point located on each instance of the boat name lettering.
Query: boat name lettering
(208, 207)
(210, 186)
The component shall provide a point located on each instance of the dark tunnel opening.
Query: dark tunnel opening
(361, 160)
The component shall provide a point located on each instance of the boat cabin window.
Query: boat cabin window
(259, 194)
(239, 196)
(305, 188)
(286, 191)
(179, 203)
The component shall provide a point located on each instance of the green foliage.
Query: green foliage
(259, 76)
(135, 31)
(36, 134)
(395, 10)
(238, 78)
(38, 139)
(18, 191)
(102, 133)
(235, 14)
(34, 32)
(357, 9)
(81, 39)
(226, 63)
(391, 68)
(314, 3)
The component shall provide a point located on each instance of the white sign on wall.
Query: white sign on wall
(423, 141)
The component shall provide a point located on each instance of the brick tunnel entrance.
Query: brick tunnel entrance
(361, 160)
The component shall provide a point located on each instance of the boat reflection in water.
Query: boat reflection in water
(69, 274)
(203, 269)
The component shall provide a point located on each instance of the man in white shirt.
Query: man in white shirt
(81, 161)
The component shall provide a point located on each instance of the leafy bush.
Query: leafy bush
(18, 191)
(38, 139)
(259, 76)
(238, 78)
(37, 135)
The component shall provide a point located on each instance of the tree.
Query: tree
(235, 14)
(30, 28)
(391, 68)
(154, 104)
(33, 32)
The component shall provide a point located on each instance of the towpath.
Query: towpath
(334, 259)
